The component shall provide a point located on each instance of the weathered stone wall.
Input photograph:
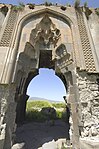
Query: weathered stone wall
(93, 23)
(89, 103)
(7, 115)
(77, 43)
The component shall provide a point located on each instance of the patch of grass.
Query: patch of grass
(64, 116)
(59, 114)
(35, 115)
(85, 4)
(38, 116)
(63, 8)
(97, 11)
(63, 147)
(33, 111)
(88, 12)
(48, 3)
(19, 7)
(31, 6)
(59, 105)
(38, 104)
(77, 3)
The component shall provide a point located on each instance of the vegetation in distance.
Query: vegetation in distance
(34, 110)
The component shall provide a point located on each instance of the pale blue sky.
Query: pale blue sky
(47, 85)
(91, 3)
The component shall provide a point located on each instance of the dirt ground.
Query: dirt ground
(33, 135)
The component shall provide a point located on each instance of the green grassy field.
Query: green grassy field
(34, 107)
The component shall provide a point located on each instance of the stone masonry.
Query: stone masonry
(63, 38)
(89, 102)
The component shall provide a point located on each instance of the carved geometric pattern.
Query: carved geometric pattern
(89, 61)
(6, 38)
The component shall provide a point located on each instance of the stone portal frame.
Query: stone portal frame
(21, 100)
(67, 71)
(19, 29)
(23, 64)
(70, 82)
(74, 65)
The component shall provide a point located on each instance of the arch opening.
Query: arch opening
(42, 51)
(51, 123)
(45, 84)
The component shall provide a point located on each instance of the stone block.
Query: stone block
(50, 145)
(1, 143)
(94, 87)
(89, 143)
(2, 135)
(48, 32)
(18, 146)
(60, 143)
(93, 131)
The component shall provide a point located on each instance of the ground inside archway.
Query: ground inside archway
(33, 135)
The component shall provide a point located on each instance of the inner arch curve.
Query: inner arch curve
(47, 85)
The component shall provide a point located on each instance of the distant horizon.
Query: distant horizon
(47, 85)
(43, 99)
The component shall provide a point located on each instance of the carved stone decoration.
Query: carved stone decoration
(29, 50)
(89, 61)
(6, 38)
(45, 34)
(61, 50)
(64, 57)
(49, 38)
(27, 59)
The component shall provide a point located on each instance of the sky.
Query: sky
(47, 85)
(91, 3)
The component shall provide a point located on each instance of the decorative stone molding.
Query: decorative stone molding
(63, 57)
(6, 38)
(45, 33)
(46, 37)
(89, 61)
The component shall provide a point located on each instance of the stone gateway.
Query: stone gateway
(44, 36)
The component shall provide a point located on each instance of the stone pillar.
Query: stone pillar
(7, 120)
(74, 111)
(3, 108)
(73, 99)
(21, 108)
